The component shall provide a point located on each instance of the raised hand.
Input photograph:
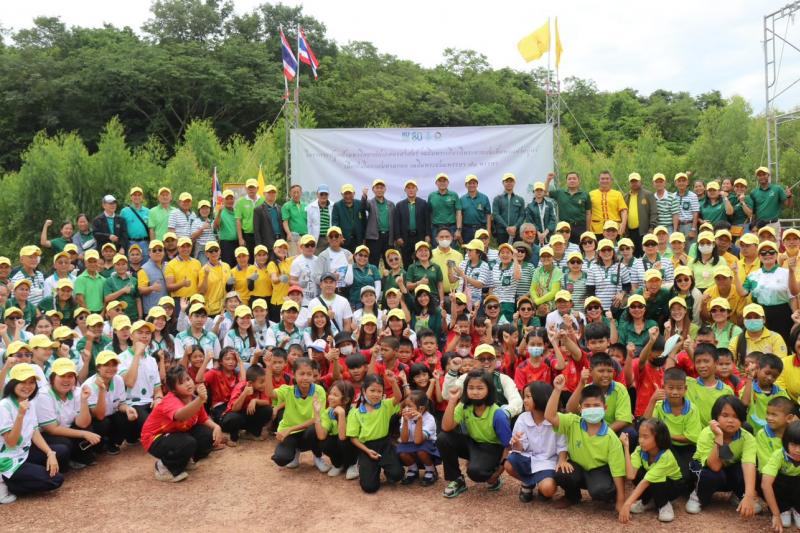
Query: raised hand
(455, 393)
(559, 382)
(202, 392)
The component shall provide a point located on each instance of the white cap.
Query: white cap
(108, 199)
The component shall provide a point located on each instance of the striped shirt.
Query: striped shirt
(643, 264)
(482, 273)
(37, 285)
(577, 288)
(667, 207)
(183, 224)
(206, 236)
(688, 205)
(503, 283)
(324, 219)
(524, 285)
(607, 281)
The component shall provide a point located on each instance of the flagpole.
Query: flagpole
(297, 86)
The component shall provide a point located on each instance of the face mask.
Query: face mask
(706, 248)
(346, 350)
(593, 415)
(444, 243)
(753, 324)
(463, 352)
(535, 351)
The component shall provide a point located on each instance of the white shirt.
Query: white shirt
(554, 319)
(339, 305)
(11, 458)
(339, 265)
(428, 427)
(50, 409)
(115, 393)
(541, 443)
(147, 378)
(303, 269)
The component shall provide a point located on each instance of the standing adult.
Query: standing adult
(346, 215)
(715, 207)
(541, 212)
(29, 257)
(574, 205)
(267, 219)
(508, 211)
(110, 227)
(476, 210)
(183, 221)
(688, 208)
(411, 222)
(379, 214)
(607, 204)
(318, 214)
(158, 221)
(225, 225)
(295, 220)
(642, 212)
(742, 208)
(243, 211)
(136, 216)
(445, 208)
(152, 282)
(768, 199)
(667, 203)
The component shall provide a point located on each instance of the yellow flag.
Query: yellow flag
(559, 48)
(537, 43)
(260, 181)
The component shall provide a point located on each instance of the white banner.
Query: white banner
(358, 156)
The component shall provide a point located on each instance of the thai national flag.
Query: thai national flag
(289, 61)
(305, 54)
(216, 192)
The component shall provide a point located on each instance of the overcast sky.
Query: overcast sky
(682, 45)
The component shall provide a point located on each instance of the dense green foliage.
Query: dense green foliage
(87, 111)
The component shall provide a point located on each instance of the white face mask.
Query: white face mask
(463, 352)
(705, 248)
(444, 243)
(346, 350)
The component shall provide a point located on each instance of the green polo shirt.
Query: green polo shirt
(227, 225)
(704, 397)
(412, 216)
(371, 425)
(658, 306)
(383, 215)
(779, 463)
(479, 428)
(295, 216)
(28, 313)
(743, 447)
(767, 443)
(592, 451)
(738, 218)
(572, 207)
(768, 202)
(627, 332)
(618, 404)
(297, 410)
(443, 208)
(474, 210)
(416, 272)
(67, 309)
(58, 244)
(243, 210)
(115, 283)
(158, 220)
(685, 423)
(97, 346)
(92, 290)
(713, 213)
(757, 410)
(327, 419)
(663, 467)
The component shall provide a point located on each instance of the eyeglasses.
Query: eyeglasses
(312, 245)
(767, 252)
(682, 279)
(526, 308)
(393, 258)
(23, 354)
(718, 310)
(492, 307)
(593, 308)
(636, 306)
(485, 359)
(584, 243)
(563, 231)
(575, 262)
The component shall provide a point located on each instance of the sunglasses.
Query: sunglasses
(649, 244)
(636, 306)
(309, 245)
(23, 354)
(682, 279)
(767, 252)
(485, 359)
(593, 308)
(584, 243)
(576, 262)
(492, 307)
(213, 251)
(156, 250)
(563, 231)
(393, 258)
(623, 248)
(719, 310)
(526, 308)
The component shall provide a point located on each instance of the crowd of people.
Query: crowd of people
(572, 342)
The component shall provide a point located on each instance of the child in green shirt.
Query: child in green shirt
(704, 390)
(655, 471)
(331, 426)
(780, 479)
(760, 387)
(618, 413)
(781, 411)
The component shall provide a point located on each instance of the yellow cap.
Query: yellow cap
(259, 249)
(197, 308)
(166, 300)
(481, 233)
(156, 312)
(588, 235)
(410, 183)
(307, 239)
(163, 190)
(121, 322)
(184, 196)
(650, 238)
(108, 245)
(678, 300)
(791, 231)
(659, 176)
(118, 258)
(575, 255)
(705, 236)
(5, 261)
(556, 239)
(509, 176)
(290, 304)
(723, 270)
(258, 303)
(22, 372)
(59, 255)
(461, 297)
(135, 190)
(347, 187)
(116, 303)
(333, 229)
(765, 170)
(636, 299)
(91, 255)
(660, 229)
(203, 203)
(740, 181)
(545, 250)
(154, 243)
(422, 287)
(485, 349)
(63, 332)
(29, 250)
(361, 249)
(442, 175)
(41, 341)
(377, 182)
(319, 309)
(228, 192)
(474, 244)
(12, 311)
(279, 243)
(767, 229)
(63, 366)
(563, 225)
(94, 320)
(23, 281)
(610, 224)
(625, 242)
(194, 298)
(140, 324)
(52, 312)
(538, 186)
(653, 274)
(369, 319)
(592, 300)
(605, 243)
(211, 245)
(395, 313)
(470, 177)
(684, 270)
(105, 357)
(270, 188)
(70, 247)
(720, 302)
(563, 295)
(492, 298)
(748, 238)
(677, 236)
(753, 308)
(634, 176)
(712, 186)
(422, 244)
(251, 183)
(680, 175)
(767, 244)
(706, 226)
(242, 311)
(184, 241)
(510, 248)
(241, 250)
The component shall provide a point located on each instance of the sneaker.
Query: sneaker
(693, 503)
(352, 472)
(666, 514)
(321, 465)
(429, 478)
(411, 477)
(191, 465)
(5, 495)
(454, 488)
(757, 507)
(494, 487)
(786, 518)
(163, 474)
(796, 517)
(75, 465)
(112, 449)
(296, 461)
(525, 494)
(333, 472)
(639, 507)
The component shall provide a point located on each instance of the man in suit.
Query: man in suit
(411, 223)
(347, 216)
(508, 211)
(110, 227)
(379, 212)
(267, 219)
(642, 212)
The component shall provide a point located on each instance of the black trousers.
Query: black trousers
(232, 422)
(176, 449)
(73, 445)
(227, 251)
(369, 470)
(660, 493)
(250, 243)
(342, 453)
(636, 238)
(409, 242)
(113, 428)
(729, 479)
(683, 456)
(597, 481)
(216, 412)
(576, 228)
(135, 427)
(378, 247)
(787, 493)
(484, 458)
(302, 441)
(32, 476)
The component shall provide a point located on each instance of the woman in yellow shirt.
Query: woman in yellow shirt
(279, 268)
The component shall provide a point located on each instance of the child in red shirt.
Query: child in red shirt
(220, 381)
(647, 372)
(178, 431)
(249, 407)
(536, 366)
(193, 360)
(428, 352)
(387, 348)
(727, 371)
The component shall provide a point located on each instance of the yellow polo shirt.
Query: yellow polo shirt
(281, 290)
(606, 206)
(263, 284)
(441, 258)
(745, 270)
(241, 275)
(769, 342)
(790, 377)
(215, 289)
(181, 270)
(633, 211)
(737, 302)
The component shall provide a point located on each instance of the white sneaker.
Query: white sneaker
(321, 465)
(162, 473)
(693, 503)
(786, 518)
(796, 517)
(191, 465)
(5, 495)
(757, 507)
(333, 472)
(295, 462)
(666, 514)
(352, 472)
(638, 507)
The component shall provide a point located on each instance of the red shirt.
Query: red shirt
(283, 379)
(527, 373)
(685, 363)
(380, 369)
(509, 363)
(237, 391)
(162, 420)
(572, 372)
(219, 385)
(646, 383)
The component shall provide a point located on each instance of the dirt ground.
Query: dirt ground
(242, 488)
